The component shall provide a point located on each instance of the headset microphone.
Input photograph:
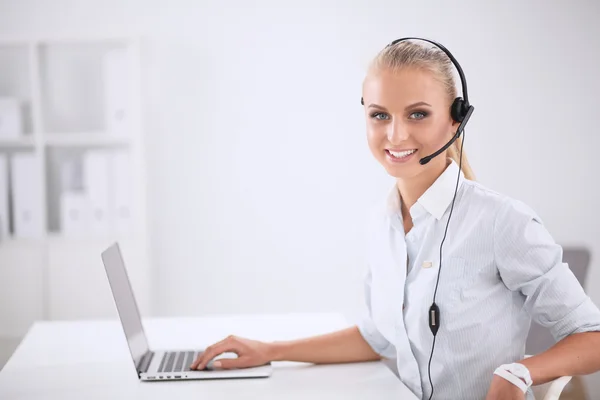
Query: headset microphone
(428, 158)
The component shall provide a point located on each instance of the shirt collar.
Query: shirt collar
(436, 199)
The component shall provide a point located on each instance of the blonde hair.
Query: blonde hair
(425, 56)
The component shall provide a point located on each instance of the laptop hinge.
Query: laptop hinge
(145, 362)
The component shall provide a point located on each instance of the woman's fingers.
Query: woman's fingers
(201, 356)
(234, 363)
(210, 353)
(227, 345)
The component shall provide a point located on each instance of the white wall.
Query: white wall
(258, 166)
(259, 172)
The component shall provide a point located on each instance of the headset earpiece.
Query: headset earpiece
(362, 102)
(458, 109)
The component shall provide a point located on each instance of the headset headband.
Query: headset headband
(454, 61)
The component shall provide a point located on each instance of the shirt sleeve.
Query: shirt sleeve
(369, 331)
(529, 261)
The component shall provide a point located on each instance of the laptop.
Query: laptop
(157, 365)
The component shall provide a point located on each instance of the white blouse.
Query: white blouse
(500, 269)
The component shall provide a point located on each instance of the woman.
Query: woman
(499, 267)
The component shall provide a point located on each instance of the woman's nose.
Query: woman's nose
(397, 133)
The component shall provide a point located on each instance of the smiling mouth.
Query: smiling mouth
(400, 154)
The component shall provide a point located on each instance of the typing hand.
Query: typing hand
(251, 353)
(501, 389)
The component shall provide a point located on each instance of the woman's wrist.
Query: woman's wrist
(277, 351)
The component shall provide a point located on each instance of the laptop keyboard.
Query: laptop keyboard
(177, 361)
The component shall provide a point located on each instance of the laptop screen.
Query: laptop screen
(125, 302)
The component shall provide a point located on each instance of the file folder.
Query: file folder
(4, 213)
(11, 124)
(26, 184)
(122, 180)
(117, 92)
(75, 213)
(96, 164)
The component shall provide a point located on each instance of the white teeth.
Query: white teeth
(401, 154)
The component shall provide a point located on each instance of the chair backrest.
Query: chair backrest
(540, 339)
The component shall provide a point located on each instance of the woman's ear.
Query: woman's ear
(455, 126)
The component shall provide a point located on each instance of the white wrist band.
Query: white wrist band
(511, 378)
(515, 373)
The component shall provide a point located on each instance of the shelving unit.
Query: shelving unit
(69, 110)
(24, 143)
(89, 139)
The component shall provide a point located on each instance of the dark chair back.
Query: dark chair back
(540, 339)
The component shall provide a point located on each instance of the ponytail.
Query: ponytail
(454, 153)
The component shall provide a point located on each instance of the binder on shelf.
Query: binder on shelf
(117, 92)
(4, 213)
(74, 213)
(26, 188)
(71, 175)
(122, 180)
(96, 164)
(11, 123)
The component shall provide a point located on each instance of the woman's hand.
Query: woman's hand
(501, 389)
(251, 353)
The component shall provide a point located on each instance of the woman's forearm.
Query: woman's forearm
(343, 346)
(577, 354)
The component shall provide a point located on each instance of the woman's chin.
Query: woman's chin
(404, 171)
(400, 172)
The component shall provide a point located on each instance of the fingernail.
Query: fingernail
(217, 364)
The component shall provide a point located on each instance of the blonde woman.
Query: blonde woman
(499, 266)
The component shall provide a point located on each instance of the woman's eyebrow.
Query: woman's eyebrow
(419, 103)
(373, 105)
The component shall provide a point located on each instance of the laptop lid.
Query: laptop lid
(126, 304)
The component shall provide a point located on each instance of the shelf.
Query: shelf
(85, 139)
(10, 244)
(52, 238)
(24, 143)
(99, 239)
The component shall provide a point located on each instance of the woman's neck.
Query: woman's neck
(413, 188)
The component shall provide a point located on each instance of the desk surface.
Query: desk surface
(90, 359)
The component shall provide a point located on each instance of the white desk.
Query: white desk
(90, 360)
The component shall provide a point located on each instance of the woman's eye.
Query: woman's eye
(379, 115)
(418, 115)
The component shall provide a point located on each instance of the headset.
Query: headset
(460, 111)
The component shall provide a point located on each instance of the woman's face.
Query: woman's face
(408, 118)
